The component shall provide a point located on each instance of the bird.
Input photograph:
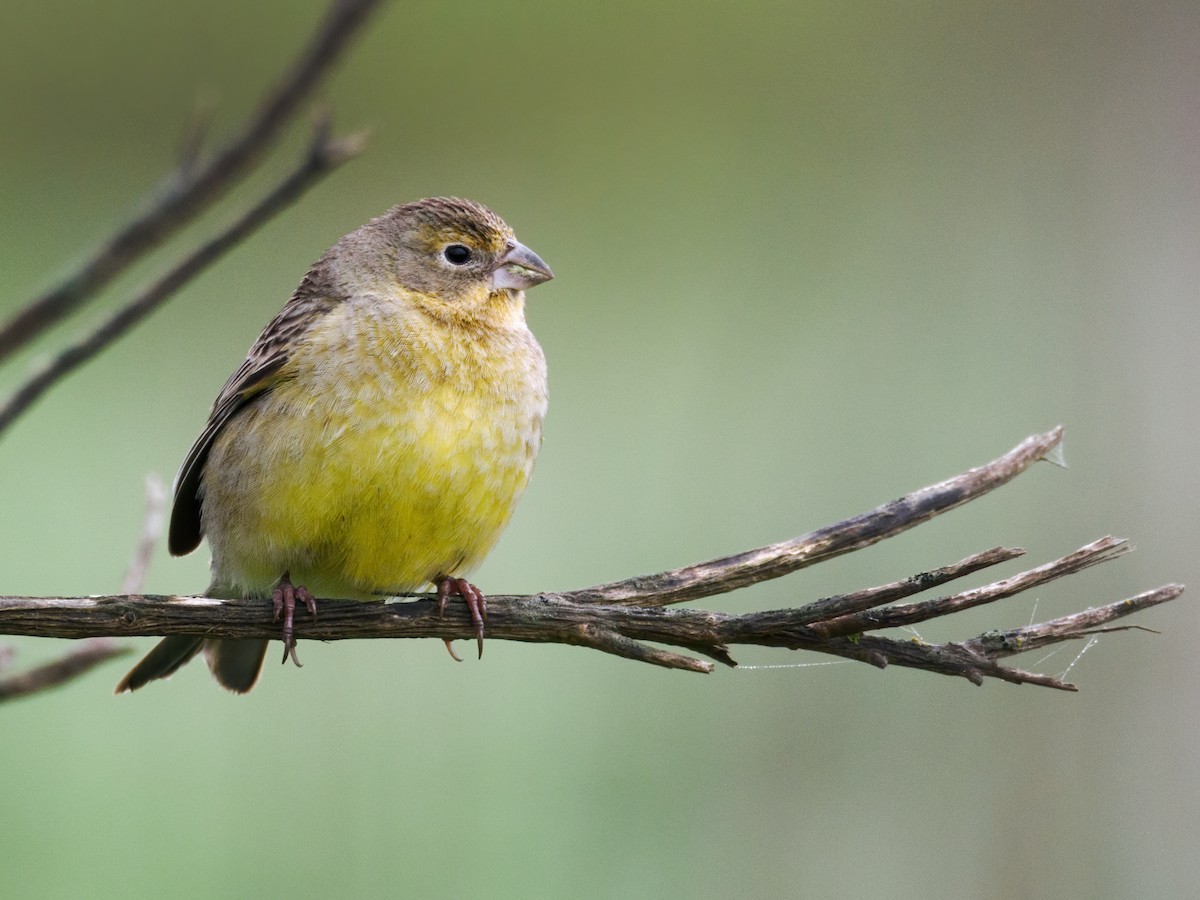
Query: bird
(377, 436)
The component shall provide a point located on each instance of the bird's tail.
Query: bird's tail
(234, 664)
(167, 656)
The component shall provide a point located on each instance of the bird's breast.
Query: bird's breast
(393, 451)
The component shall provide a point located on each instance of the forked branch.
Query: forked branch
(196, 185)
(631, 618)
(324, 155)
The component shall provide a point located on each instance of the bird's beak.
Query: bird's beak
(519, 268)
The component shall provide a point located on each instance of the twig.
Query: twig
(193, 189)
(972, 659)
(324, 155)
(719, 576)
(999, 644)
(152, 526)
(82, 658)
(830, 608)
(630, 629)
(1104, 549)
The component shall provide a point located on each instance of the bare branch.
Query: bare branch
(718, 576)
(620, 630)
(324, 155)
(86, 656)
(840, 626)
(193, 188)
(1104, 549)
(831, 608)
(999, 644)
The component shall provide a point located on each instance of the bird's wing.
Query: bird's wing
(258, 374)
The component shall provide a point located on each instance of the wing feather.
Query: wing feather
(262, 369)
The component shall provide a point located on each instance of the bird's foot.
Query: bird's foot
(283, 601)
(476, 605)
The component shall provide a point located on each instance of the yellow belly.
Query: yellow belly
(393, 452)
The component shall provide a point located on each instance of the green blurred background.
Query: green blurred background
(810, 256)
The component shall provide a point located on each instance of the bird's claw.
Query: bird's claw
(283, 602)
(476, 605)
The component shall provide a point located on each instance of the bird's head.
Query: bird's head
(456, 258)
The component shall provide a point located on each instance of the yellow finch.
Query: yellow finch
(378, 434)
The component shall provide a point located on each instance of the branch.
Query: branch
(83, 658)
(324, 155)
(193, 188)
(636, 622)
(900, 616)
(719, 576)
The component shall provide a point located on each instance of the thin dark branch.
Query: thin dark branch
(973, 659)
(999, 644)
(641, 631)
(620, 630)
(1099, 551)
(718, 576)
(324, 156)
(86, 656)
(193, 188)
(607, 640)
(978, 656)
(830, 608)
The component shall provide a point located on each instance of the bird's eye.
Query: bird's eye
(457, 255)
